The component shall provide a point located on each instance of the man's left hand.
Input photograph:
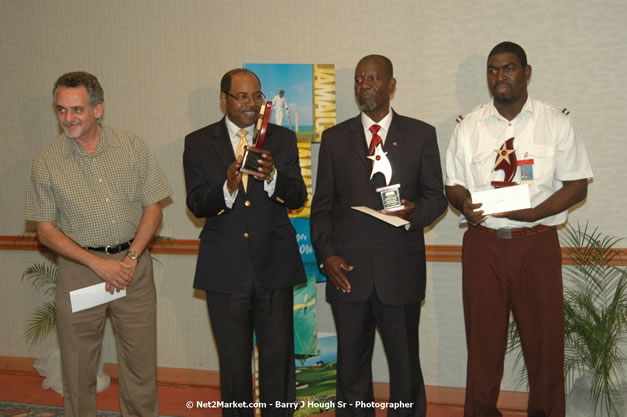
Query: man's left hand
(266, 167)
(406, 213)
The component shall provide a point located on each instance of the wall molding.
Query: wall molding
(435, 253)
(448, 396)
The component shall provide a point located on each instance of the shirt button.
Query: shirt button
(107, 200)
(246, 235)
(247, 203)
(99, 179)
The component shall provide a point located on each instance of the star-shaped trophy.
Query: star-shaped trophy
(390, 194)
(506, 161)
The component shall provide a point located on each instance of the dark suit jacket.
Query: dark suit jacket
(271, 240)
(390, 259)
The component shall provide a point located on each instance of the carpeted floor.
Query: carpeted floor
(21, 390)
(8, 408)
(25, 388)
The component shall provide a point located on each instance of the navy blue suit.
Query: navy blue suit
(248, 261)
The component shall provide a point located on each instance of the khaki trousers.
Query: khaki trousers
(80, 340)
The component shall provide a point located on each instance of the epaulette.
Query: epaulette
(459, 118)
(565, 111)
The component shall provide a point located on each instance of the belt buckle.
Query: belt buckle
(504, 233)
(107, 250)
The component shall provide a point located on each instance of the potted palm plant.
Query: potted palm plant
(43, 276)
(595, 324)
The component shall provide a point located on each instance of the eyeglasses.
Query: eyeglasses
(245, 98)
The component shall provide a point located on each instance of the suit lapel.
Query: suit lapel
(222, 144)
(357, 141)
(394, 137)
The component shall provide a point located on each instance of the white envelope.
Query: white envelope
(93, 296)
(503, 199)
(393, 220)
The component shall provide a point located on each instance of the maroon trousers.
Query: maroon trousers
(524, 274)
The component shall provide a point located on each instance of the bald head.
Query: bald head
(388, 68)
(374, 84)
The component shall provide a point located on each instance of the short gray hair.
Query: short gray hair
(81, 78)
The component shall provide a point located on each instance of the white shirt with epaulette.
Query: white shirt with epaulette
(541, 132)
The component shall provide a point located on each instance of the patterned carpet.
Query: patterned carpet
(13, 409)
(8, 408)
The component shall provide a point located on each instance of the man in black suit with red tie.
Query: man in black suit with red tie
(376, 272)
(249, 259)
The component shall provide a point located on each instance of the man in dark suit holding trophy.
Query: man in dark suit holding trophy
(249, 259)
(376, 272)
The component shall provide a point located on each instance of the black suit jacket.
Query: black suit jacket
(390, 259)
(257, 226)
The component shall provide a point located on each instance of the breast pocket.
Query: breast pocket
(543, 161)
(481, 166)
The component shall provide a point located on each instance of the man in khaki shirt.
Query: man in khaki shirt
(94, 194)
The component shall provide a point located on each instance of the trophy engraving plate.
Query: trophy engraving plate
(251, 159)
(391, 197)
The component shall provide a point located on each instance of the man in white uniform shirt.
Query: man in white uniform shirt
(513, 260)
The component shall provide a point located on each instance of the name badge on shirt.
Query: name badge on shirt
(526, 171)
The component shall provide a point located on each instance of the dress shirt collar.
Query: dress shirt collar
(366, 122)
(490, 110)
(233, 129)
(75, 148)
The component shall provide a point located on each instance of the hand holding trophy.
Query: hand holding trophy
(253, 154)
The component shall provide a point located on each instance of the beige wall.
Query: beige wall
(160, 63)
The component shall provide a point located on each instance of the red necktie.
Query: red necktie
(376, 139)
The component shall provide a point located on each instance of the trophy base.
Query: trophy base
(391, 197)
(251, 156)
(501, 184)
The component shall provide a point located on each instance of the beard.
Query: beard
(503, 99)
(73, 131)
(368, 105)
(508, 95)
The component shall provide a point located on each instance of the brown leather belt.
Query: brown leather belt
(513, 233)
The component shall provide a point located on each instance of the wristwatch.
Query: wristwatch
(270, 176)
(132, 254)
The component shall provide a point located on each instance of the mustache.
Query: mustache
(68, 124)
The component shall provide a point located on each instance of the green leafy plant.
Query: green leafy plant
(595, 316)
(43, 276)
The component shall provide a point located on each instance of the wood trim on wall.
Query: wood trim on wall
(435, 253)
(451, 396)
